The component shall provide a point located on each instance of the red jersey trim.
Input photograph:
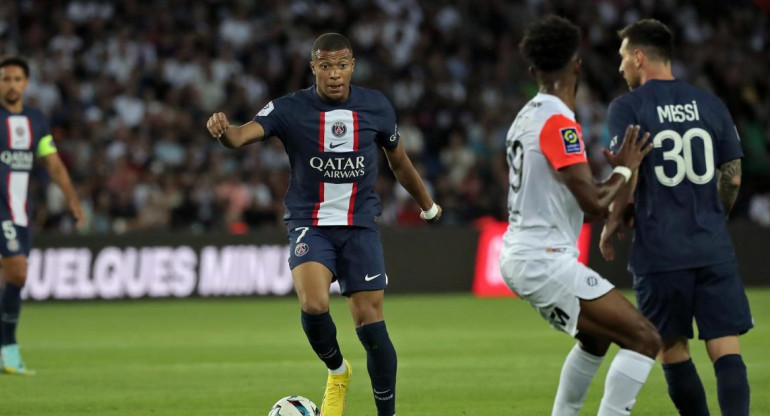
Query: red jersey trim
(321, 125)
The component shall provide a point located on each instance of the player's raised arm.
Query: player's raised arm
(234, 136)
(620, 115)
(408, 177)
(620, 215)
(595, 199)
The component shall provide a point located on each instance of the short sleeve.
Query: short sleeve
(620, 116)
(728, 142)
(271, 118)
(387, 127)
(561, 142)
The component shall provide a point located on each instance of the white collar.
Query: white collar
(564, 109)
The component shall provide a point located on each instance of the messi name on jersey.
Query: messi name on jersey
(339, 167)
(677, 113)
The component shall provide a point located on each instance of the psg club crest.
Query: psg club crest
(20, 131)
(301, 249)
(339, 129)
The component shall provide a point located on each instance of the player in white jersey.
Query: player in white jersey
(551, 189)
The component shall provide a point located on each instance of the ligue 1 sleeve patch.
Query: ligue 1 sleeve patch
(266, 109)
(571, 140)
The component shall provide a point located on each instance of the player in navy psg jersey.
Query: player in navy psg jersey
(24, 135)
(332, 132)
(682, 258)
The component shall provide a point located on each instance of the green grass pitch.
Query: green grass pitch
(458, 355)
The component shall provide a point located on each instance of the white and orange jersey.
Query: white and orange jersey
(544, 216)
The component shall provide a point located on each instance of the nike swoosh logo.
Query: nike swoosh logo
(369, 278)
(334, 146)
(380, 392)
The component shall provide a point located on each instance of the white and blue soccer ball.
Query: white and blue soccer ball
(294, 406)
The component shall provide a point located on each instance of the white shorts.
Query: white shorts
(554, 286)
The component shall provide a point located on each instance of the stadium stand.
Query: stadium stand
(129, 85)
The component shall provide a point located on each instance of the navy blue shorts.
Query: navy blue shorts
(713, 295)
(16, 240)
(353, 254)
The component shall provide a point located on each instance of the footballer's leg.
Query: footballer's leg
(312, 260)
(312, 281)
(684, 384)
(362, 263)
(578, 370)
(381, 359)
(14, 275)
(733, 389)
(554, 287)
(722, 313)
(613, 317)
(667, 300)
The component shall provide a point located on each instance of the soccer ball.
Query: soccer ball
(294, 406)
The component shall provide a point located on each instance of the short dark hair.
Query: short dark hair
(652, 36)
(331, 42)
(550, 43)
(16, 61)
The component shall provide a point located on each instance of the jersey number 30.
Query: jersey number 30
(681, 155)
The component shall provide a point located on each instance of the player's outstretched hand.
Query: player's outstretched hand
(217, 125)
(78, 213)
(632, 151)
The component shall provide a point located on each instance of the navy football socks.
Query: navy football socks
(381, 361)
(322, 334)
(686, 389)
(10, 306)
(732, 385)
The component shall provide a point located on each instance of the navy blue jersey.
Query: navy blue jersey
(680, 222)
(333, 152)
(24, 136)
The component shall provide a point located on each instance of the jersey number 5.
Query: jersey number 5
(9, 231)
(516, 162)
(681, 155)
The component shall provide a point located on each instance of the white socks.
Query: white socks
(627, 374)
(576, 375)
(340, 370)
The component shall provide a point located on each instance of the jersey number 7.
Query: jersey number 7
(681, 155)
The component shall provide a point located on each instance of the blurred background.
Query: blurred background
(128, 86)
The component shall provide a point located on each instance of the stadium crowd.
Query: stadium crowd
(129, 85)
